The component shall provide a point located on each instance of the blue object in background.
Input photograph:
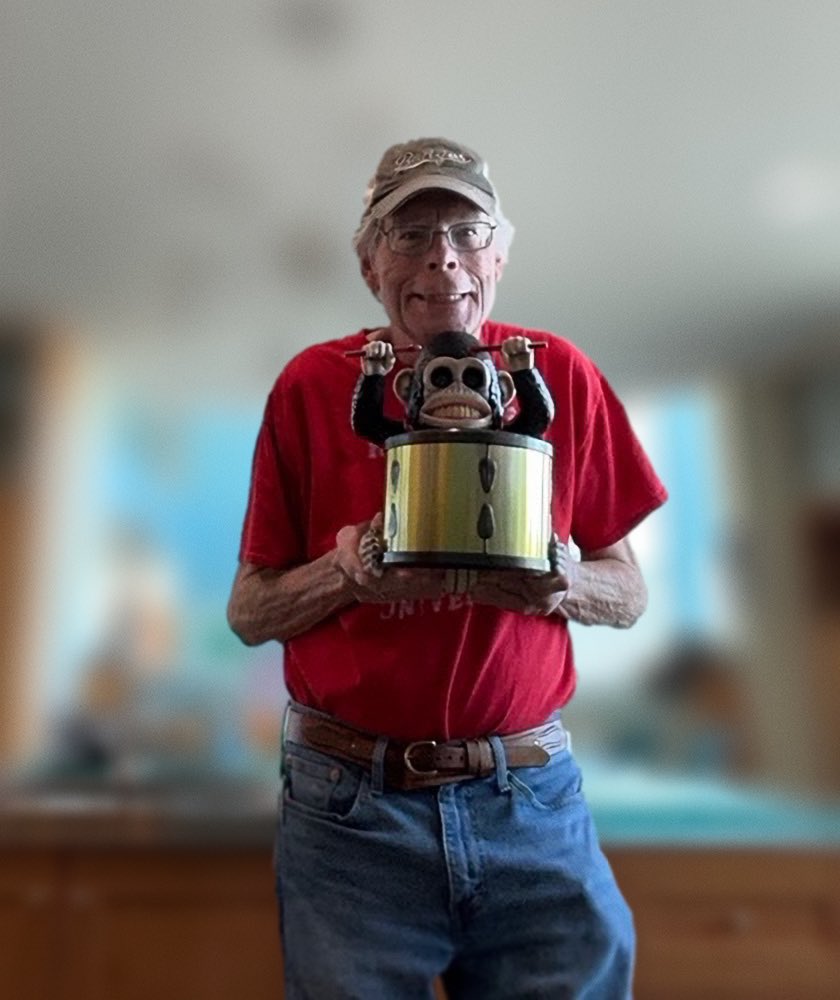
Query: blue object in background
(183, 485)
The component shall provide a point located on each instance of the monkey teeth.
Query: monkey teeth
(457, 412)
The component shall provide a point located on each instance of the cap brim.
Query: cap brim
(433, 182)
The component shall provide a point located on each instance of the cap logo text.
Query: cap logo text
(432, 154)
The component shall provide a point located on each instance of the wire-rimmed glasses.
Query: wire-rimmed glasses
(417, 240)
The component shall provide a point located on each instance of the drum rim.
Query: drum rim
(505, 438)
(465, 560)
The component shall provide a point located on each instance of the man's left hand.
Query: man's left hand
(528, 593)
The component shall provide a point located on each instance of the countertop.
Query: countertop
(639, 806)
(211, 813)
(631, 806)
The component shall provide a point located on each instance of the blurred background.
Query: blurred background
(179, 183)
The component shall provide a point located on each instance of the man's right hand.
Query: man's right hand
(394, 583)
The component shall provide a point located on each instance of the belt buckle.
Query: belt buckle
(407, 757)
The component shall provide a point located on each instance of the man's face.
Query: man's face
(442, 289)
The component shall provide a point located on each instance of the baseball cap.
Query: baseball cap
(408, 168)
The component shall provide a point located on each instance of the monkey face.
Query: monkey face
(455, 394)
(453, 387)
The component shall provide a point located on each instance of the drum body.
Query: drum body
(471, 499)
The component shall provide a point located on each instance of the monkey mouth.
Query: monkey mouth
(457, 413)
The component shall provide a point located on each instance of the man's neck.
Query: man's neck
(401, 339)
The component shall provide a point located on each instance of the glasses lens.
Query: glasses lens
(409, 239)
(470, 235)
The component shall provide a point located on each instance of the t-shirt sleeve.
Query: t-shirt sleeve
(616, 486)
(273, 532)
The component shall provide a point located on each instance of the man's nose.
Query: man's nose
(441, 254)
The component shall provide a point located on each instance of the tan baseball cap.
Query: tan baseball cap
(408, 168)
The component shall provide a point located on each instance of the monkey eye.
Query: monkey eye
(441, 377)
(473, 377)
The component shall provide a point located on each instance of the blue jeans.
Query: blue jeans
(497, 884)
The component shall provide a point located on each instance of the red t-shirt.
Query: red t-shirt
(431, 669)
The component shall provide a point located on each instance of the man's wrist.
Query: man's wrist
(347, 588)
(560, 608)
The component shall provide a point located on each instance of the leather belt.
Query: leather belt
(423, 763)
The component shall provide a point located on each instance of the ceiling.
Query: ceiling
(184, 177)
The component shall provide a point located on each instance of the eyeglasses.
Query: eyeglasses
(417, 240)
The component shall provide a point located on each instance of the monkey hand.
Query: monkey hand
(518, 354)
(378, 358)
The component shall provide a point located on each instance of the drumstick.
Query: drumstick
(397, 350)
(416, 347)
(498, 347)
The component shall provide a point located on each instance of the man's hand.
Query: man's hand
(528, 593)
(605, 588)
(512, 590)
(390, 584)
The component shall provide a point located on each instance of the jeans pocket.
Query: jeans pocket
(556, 785)
(320, 785)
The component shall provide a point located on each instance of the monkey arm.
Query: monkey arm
(366, 415)
(536, 408)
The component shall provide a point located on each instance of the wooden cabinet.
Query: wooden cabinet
(167, 924)
(139, 925)
(29, 925)
(734, 924)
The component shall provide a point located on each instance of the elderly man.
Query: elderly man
(432, 821)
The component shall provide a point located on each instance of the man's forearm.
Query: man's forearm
(279, 604)
(605, 591)
(605, 588)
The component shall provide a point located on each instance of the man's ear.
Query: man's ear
(402, 384)
(500, 266)
(370, 276)
(507, 387)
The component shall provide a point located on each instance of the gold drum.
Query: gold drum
(468, 499)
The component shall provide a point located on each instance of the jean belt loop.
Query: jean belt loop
(501, 764)
(377, 770)
(283, 728)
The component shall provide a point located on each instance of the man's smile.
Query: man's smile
(441, 298)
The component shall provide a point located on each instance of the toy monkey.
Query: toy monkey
(454, 386)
